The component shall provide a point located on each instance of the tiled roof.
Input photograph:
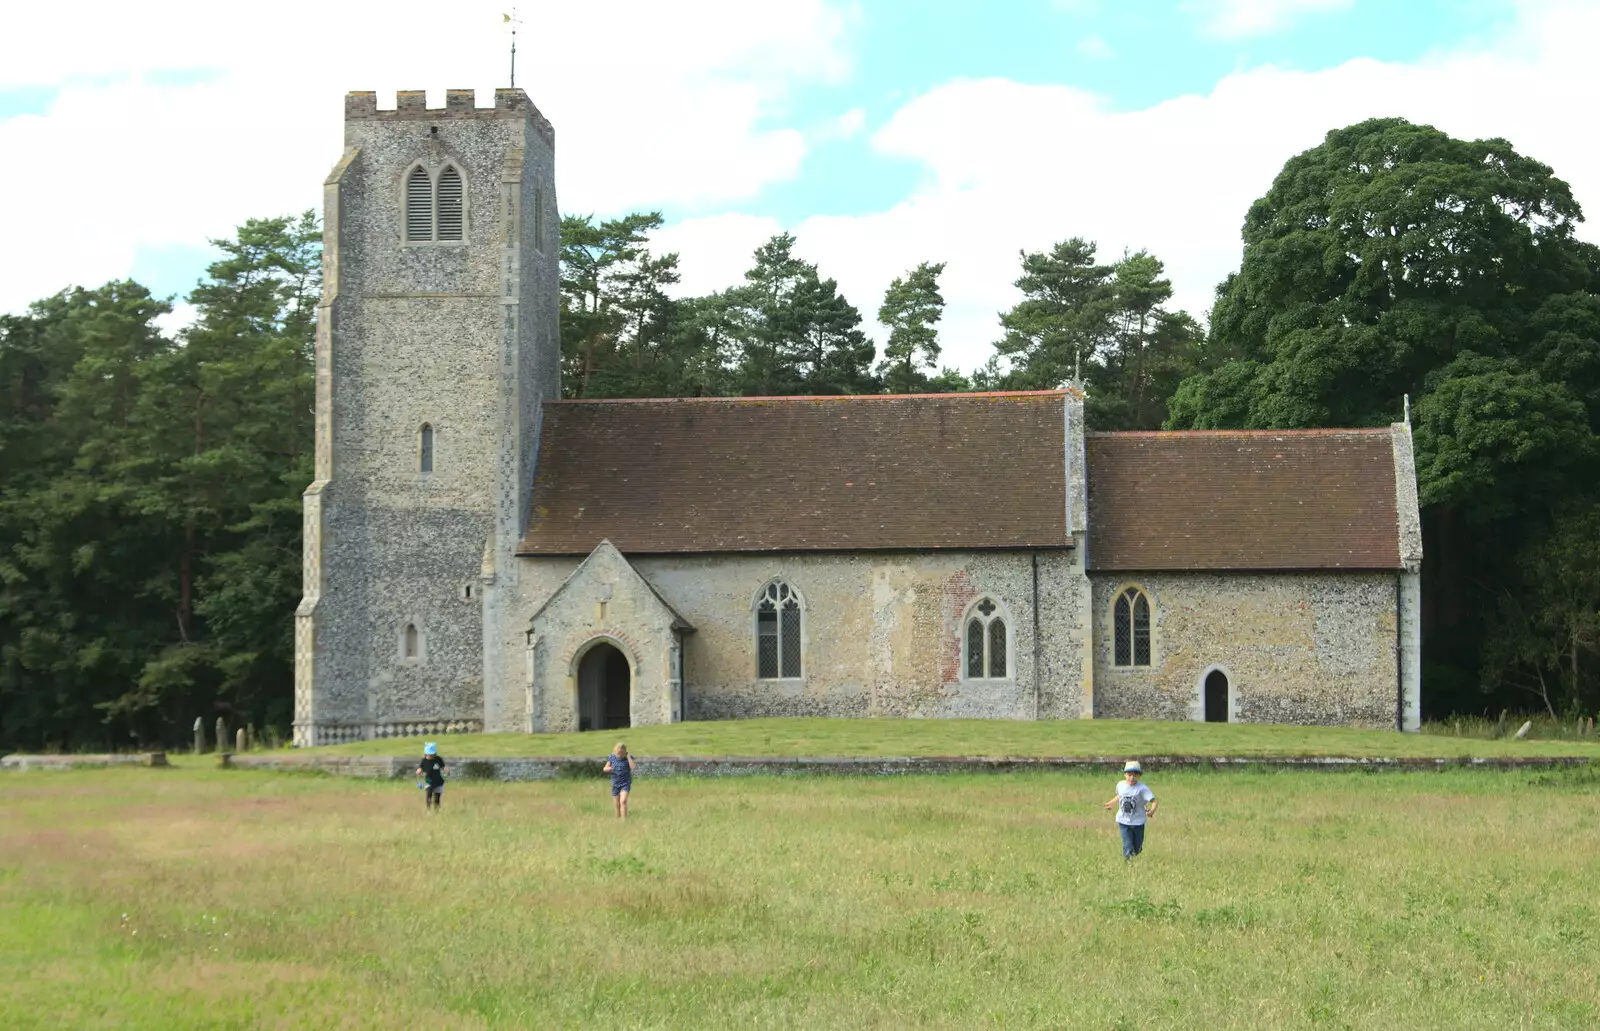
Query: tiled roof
(1264, 499)
(801, 474)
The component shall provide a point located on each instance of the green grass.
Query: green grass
(1543, 727)
(196, 898)
(837, 737)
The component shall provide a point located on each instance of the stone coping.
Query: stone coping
(69, 762)
(509, 768)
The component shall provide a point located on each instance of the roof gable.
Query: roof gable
(1245, 499)
(914, 472)
(607, 570)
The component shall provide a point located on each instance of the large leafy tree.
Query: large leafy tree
(799, 334)
(616, 317)
(911, 310)
(225, 434)
(783, 330)
(1107, 324)
(149, 514)
(1546, 631)
(1064, 315)
(1394, 259)
(73, 558)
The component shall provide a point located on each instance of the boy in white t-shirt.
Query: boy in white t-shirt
(1135, 803)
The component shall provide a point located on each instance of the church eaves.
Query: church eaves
(865, 473)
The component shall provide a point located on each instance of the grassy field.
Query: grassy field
(834, 737)
(198, 898)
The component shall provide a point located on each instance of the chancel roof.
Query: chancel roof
(892, 472)
(1242, 500)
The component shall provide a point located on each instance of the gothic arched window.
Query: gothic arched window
(411, 642)
(778, 615)
(1131, 628)
(419, 206)
(449, 208)
(436, 210)
(988, 654)
(425, 450)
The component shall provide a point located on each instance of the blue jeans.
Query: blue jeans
(1132, 840)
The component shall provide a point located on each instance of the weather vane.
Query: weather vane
(512, 20)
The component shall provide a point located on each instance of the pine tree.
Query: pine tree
(911, 310)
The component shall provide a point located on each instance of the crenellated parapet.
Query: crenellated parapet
(459, 104)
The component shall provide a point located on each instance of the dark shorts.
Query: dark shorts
(617, 789)
(435, 789)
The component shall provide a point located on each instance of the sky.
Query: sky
(882, 133)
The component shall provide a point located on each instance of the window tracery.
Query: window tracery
(1131, 629)
(778, 644)
(987, 643)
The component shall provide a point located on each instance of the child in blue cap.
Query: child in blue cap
(431, 770)
(1135, 803)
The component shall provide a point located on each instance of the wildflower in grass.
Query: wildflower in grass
(1135, 803)
(621, 766)
(431, 770)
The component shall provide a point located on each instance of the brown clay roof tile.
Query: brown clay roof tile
(1236, 500)
(801, 474)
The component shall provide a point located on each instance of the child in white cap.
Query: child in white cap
(1135, 803)
(431, 770)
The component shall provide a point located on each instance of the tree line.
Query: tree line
(786, 330)
(150, 482)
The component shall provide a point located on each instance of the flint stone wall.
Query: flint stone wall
(579, 767)
(1312, 648)
(458, 336)
(74, 762)
(881, 634)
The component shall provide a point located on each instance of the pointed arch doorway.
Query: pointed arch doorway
(605, 684)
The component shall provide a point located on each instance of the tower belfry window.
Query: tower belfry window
(436, 206)
(419, 206)
(449, 209)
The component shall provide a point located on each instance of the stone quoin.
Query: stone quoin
(481, 555)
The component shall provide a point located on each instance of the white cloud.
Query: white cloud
(850, 124)
(1030, 164)
(176, 122)
(1095, 48)
(714, 251)
(1237, 18)
(130, 160)
(181, 317)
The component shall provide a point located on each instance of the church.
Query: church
(483, 555)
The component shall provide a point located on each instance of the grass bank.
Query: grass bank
(838, 737)
(192, 898)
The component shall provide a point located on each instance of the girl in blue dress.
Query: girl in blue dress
(621, 766)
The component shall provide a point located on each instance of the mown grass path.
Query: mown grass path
(192, 898)
(835, 737)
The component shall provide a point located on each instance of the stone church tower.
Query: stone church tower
(437, 346)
